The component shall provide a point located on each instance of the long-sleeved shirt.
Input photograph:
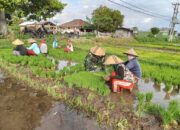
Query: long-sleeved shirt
(119, 71)
(44, 48)
(22, 50)
(35, 48)
(134, 66)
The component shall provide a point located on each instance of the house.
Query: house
(34, 25)
(164, 32)
(123, 32)
(76, 25)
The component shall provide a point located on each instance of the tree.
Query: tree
(155, 31)
(106, 19)
(89, 24)
(31, 9)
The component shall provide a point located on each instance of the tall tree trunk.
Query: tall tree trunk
(3, 24)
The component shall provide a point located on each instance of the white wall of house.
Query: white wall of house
(123, 34)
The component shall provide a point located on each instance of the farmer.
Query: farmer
(43, 47)
(33, 49)
(132, 64)
(55, 43)
(19, 49)
(120, 71)
(69, 47)
(95, 59)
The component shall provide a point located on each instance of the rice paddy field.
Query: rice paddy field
(88, 92)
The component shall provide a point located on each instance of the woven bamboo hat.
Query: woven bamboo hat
(31, 40)
(112, 60)
(131, 52)
(17, 42)
(98, 51)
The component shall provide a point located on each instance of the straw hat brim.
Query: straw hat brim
(98, 51)
(17, 42)
(130, 54)
(113, 60)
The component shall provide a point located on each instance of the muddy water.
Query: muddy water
(60, 64)
(159, 94)
(22, 108)
(65, 63)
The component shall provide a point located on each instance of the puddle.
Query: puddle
(60, 64)
(62, 118)
(65, 63)
(23, 108)
(159, 94)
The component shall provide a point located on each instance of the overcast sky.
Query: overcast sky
(79, 9)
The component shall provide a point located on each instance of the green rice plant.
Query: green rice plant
(169, 115)
(88, 80)
(168, 88)
(149, 97)
(141, 103)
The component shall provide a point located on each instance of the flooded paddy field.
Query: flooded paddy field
(22, 108)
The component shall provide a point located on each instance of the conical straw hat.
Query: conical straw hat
(17, 42)
(112, 60)
(98, 51)
(131, 52)
(31, 40)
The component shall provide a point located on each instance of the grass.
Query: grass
(171, 115)
(88, 80)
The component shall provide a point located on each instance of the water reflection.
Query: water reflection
(158, 90)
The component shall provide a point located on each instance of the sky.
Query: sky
(79, 9)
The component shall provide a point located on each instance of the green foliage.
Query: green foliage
(155, 30)
(169, 115)
(149, 97)
(25, 8)
(89, 81)
(106, 19)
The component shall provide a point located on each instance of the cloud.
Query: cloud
(147, 20)
(79, 9)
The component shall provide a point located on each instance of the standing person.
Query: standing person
(33, 49)
(19, 50)
(55, 43)
(69, 47)
(132, 64)
(95, 59)
(43, 47)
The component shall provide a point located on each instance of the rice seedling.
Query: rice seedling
(168, 88)
(149, 97)
(141, 103)
(84, 80)
(169, 115)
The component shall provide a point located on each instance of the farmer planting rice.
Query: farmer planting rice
(19, 50)
(95, 59)
(120, 72)
(132, 64)
(69, 47)
(33, 49)
(43, 47)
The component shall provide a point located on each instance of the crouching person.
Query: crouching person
(33, 50)
(132, 64)
(121, 75)
(19, 50)
(43, 47)
(95, 59)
